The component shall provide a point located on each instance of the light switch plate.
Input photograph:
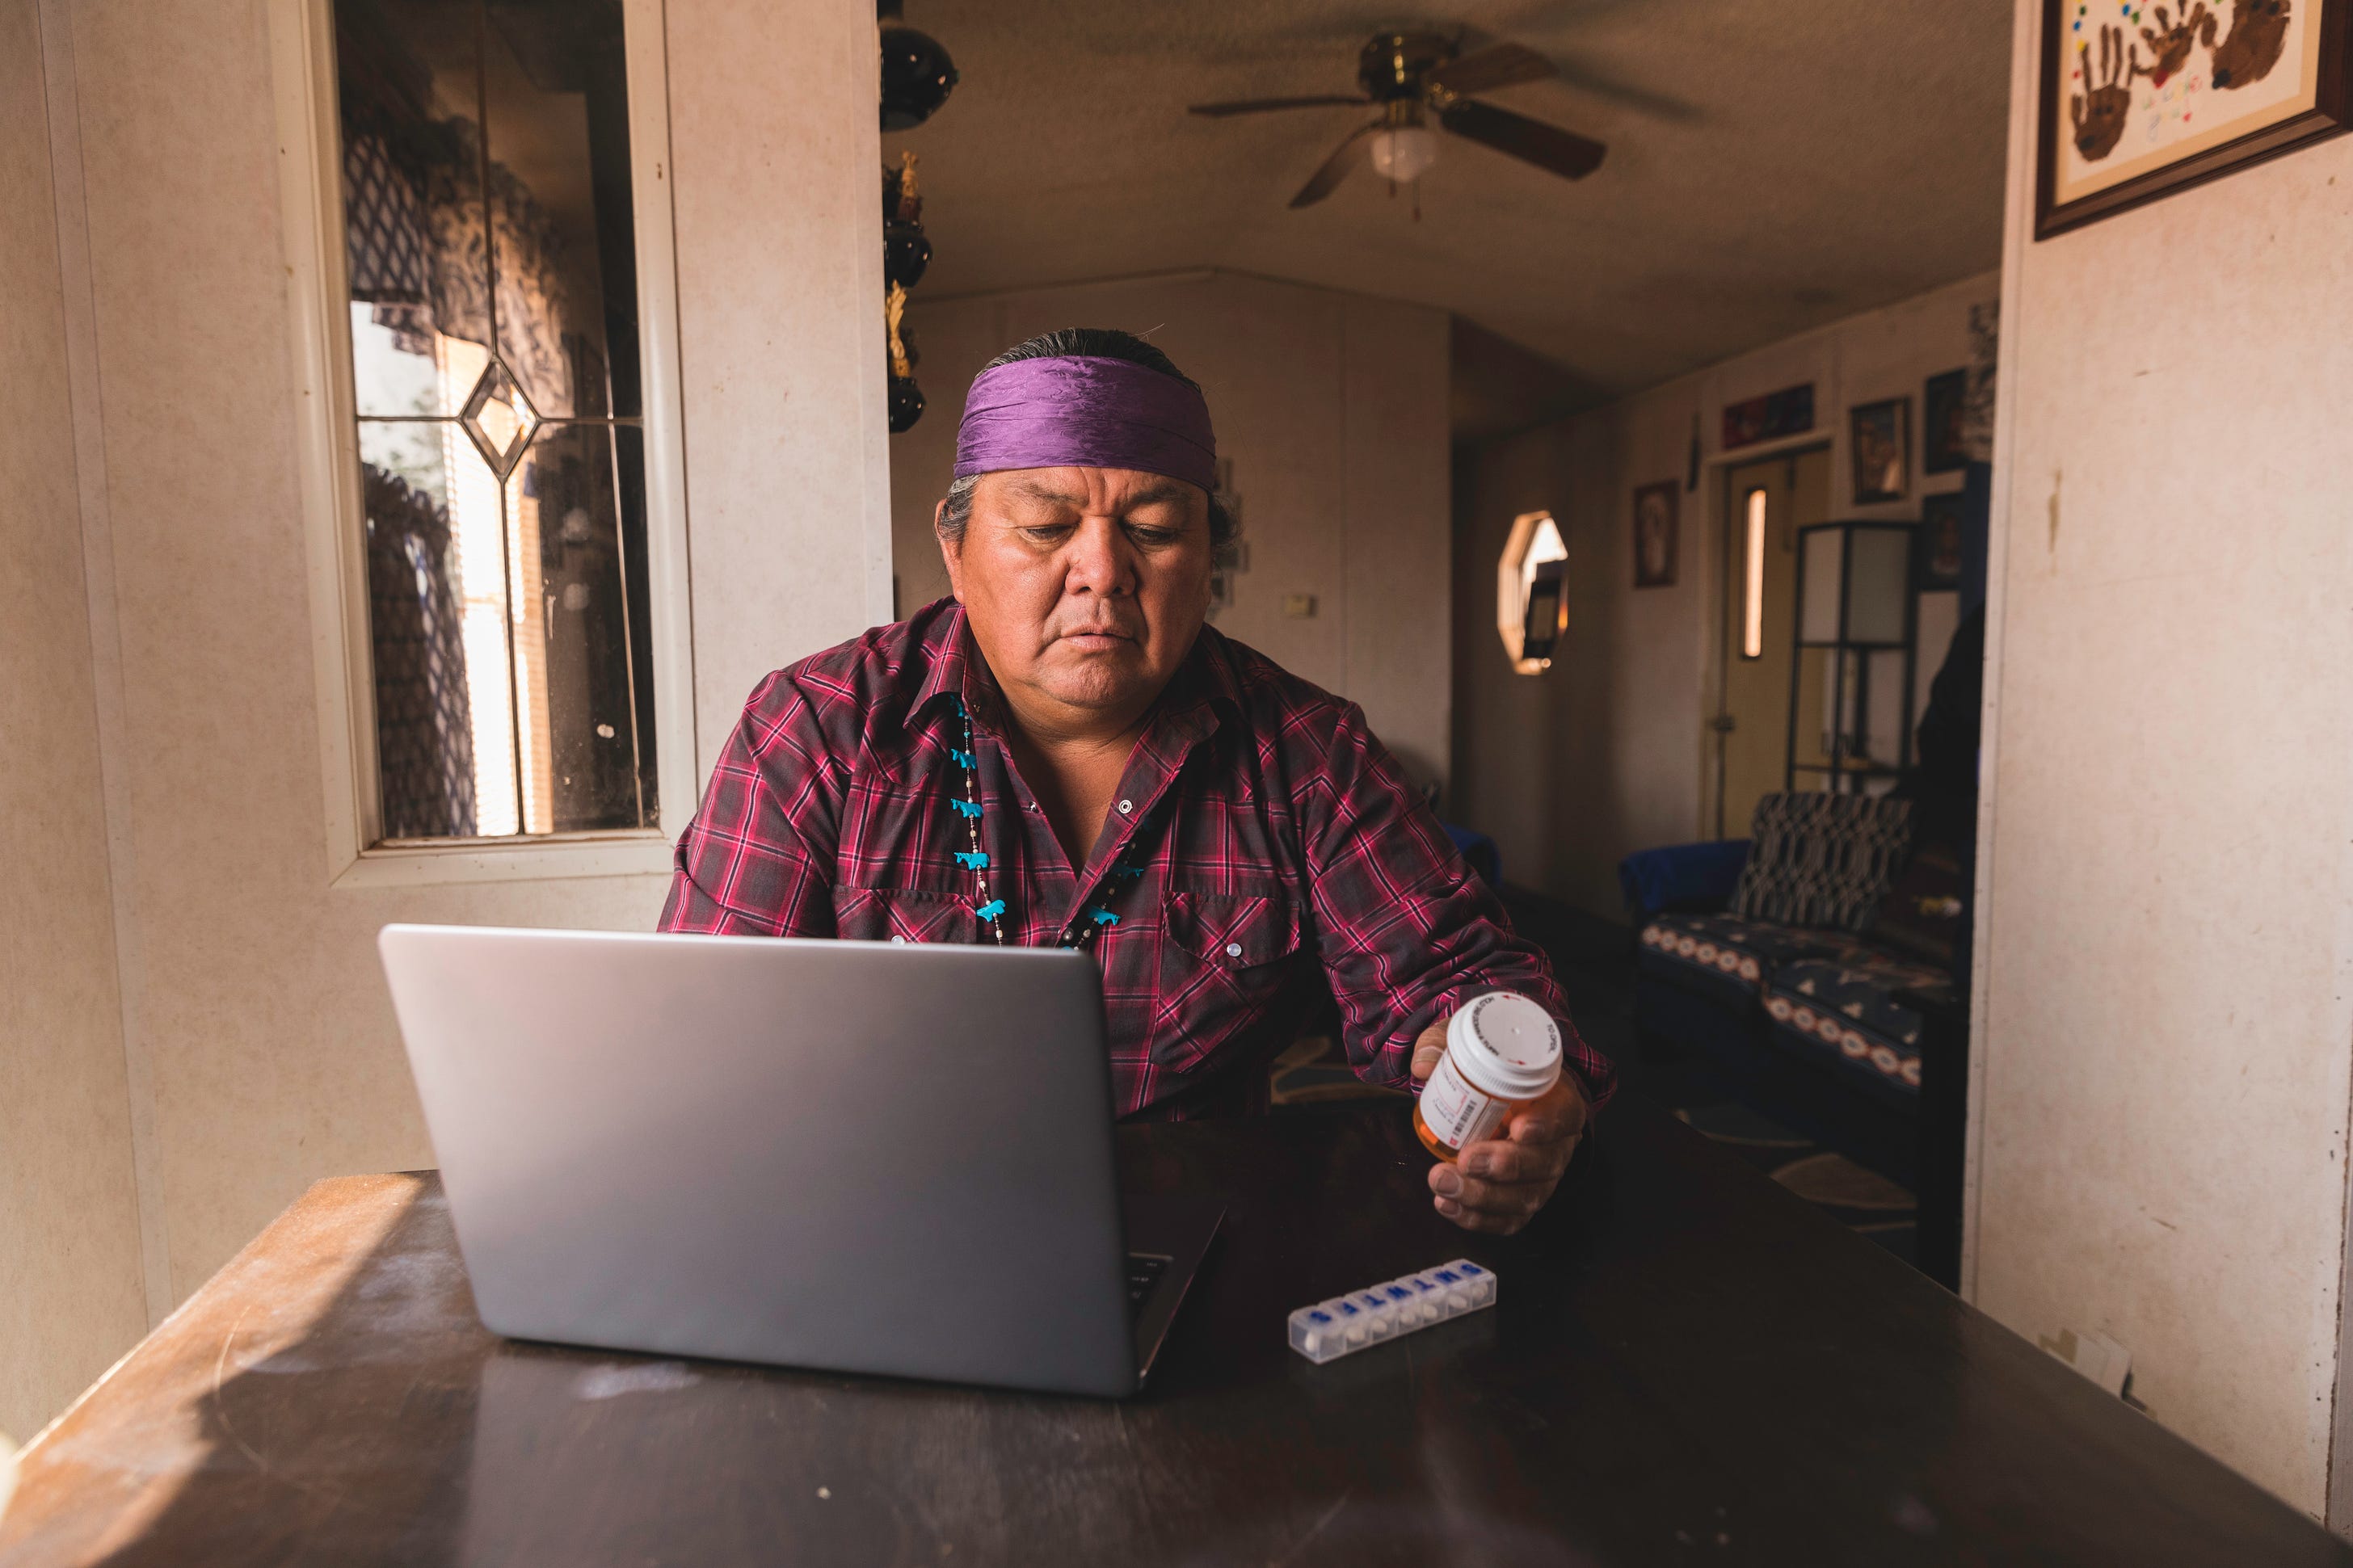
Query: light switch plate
(1299, 607)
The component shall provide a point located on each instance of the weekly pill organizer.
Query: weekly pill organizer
(1345, 1324)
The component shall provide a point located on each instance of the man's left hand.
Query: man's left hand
(1499, 1184)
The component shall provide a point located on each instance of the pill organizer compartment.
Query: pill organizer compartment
(1344, 1324)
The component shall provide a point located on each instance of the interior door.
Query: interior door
(1766, 503)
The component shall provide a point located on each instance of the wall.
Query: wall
(1333, 409)
(2166, 941)
(1606, 751)
(779, 278)
(70, 1288)
(262, 1052)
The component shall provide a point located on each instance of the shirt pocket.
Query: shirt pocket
(1223, 964)
(901, 914)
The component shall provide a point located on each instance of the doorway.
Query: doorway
(1766, 503)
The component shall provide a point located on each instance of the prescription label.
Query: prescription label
(1456, 1113)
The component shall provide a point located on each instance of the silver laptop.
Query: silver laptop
(857, 1156)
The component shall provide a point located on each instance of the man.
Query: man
(1063, 753)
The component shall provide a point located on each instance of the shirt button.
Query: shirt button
(1233, 950)
(899, 941)
(1126, 807)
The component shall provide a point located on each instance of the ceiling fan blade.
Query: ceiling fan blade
(1564, 152)
(1262, 105)
(1335, 168)
(1504, 65)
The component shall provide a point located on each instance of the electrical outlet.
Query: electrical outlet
(2096, 1356)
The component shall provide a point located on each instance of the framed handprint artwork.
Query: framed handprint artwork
(2140, 100)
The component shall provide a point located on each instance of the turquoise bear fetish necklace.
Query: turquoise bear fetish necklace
(991, 909)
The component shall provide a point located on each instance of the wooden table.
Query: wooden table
(1687, 1366)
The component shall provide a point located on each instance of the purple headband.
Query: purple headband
(1086, 411)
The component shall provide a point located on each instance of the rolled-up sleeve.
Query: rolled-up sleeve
(758, 859)
(1405, 930)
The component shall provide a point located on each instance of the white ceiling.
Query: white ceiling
(1774, 164)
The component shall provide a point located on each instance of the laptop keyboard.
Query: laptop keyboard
(1144, 1271)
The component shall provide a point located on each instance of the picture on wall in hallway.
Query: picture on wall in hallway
(1883, 450)
(1945, 423)
(2141, 99)
(1788, 412)
(1654, 535)
(1936, 559)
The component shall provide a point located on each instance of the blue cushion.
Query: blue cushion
(1843, 1010)
(1682, 876)
(1730, 958)
(1480, 851)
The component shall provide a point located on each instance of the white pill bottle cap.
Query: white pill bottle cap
(1504, 1045)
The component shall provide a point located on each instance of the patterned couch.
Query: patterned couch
(1797, 986)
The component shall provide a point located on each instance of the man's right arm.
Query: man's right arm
(758, 859)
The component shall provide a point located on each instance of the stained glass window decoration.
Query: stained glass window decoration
(492, 267)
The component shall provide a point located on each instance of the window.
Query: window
(1752, 581)
(484, 298)
(1535, 539)
(493, 278)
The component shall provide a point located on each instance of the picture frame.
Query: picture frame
(1771, 416)
(1657, 544)
(1880, 445)
(1936, 554)
(2227, 83)
(1944, 423)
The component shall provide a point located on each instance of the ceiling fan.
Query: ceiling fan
(1409, 74)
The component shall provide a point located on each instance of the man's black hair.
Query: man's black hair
(1096, 342)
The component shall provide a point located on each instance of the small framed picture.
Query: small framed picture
(1936, 556)
(1944, 423)
(1654, 535)
(1883, 450)
(2140, 101)
(1788, 412)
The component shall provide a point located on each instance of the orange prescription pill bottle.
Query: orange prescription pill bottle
(1501, 1051)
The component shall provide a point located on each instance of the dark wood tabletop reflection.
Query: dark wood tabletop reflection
(1686, 1366)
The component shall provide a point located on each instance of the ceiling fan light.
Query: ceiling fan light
(1401, 153)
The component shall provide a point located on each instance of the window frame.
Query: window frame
(1756, 539)
(1511, 589)
(302, 59)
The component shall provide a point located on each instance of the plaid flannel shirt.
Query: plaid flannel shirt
(1284, 853)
